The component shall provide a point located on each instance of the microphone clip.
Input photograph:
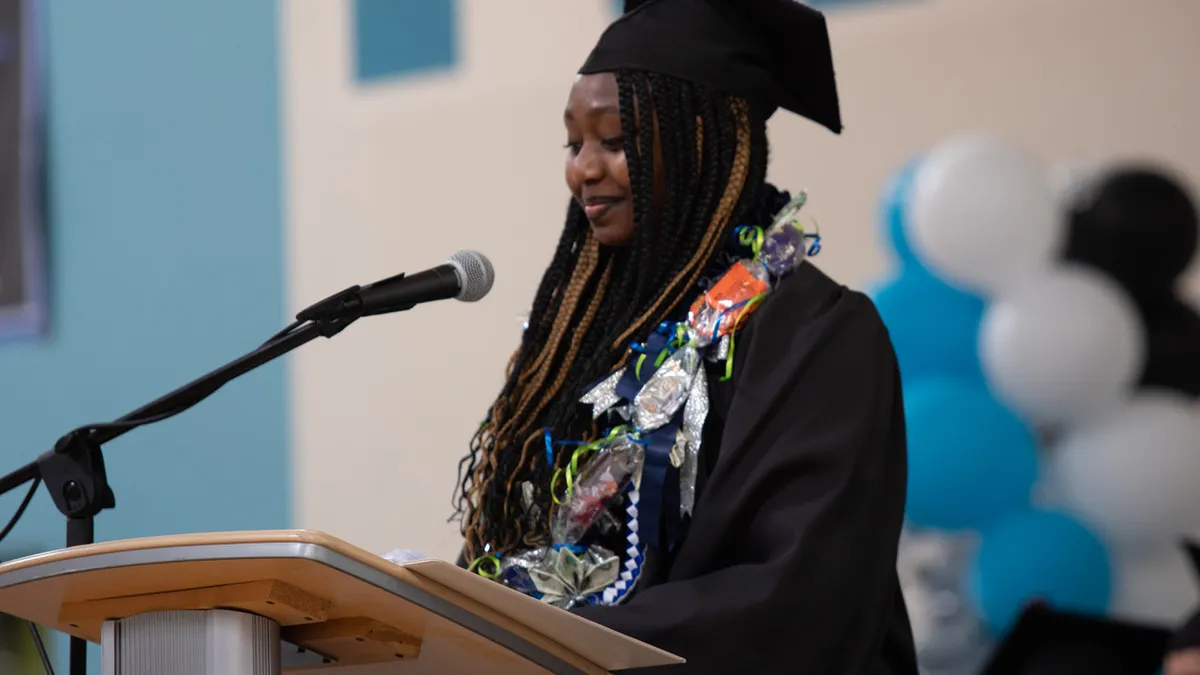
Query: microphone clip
(337, 311)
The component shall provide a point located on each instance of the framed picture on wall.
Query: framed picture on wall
(23, 281)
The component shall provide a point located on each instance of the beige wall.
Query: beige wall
(397, 177)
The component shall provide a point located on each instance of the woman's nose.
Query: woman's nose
(590, 164)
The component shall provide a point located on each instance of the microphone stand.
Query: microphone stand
(73, 470)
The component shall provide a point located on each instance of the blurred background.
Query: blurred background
(180, 177)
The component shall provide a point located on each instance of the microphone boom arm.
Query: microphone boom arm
(73, 470)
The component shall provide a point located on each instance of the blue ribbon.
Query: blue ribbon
(660, 486)
(550, 443)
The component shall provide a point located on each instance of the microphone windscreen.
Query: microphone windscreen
(475, 275)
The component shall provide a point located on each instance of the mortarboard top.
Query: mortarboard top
(1050, 642)
(774, 53)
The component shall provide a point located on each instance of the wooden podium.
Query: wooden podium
(259, 603)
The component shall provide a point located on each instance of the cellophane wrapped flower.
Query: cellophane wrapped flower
(723, 308)
(602, 480)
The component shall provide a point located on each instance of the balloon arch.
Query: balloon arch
(1051, 375)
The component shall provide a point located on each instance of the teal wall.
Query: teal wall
(166, 261)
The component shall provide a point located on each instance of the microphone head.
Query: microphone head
(475, 275)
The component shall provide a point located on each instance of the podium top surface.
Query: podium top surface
(432, 598)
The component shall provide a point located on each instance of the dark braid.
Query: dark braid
(592, 302)
(641, 169)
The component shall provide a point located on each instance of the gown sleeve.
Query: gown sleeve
(789, 563)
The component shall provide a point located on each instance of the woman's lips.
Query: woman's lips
(598, 208)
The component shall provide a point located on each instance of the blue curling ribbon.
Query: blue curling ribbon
(816, 245)
(550, 443)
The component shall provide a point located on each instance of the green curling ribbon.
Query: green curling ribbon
(729, 360)
(681, 337)
(662, 356)
(751, 237)
(750, 305)
(481, 566)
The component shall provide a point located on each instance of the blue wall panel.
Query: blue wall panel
(398, 37)
(166, 261)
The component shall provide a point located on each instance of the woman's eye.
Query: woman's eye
(614, 144)
(573, 146)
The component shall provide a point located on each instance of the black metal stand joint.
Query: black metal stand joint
(75, 477)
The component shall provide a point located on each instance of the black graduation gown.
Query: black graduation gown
(789, 563)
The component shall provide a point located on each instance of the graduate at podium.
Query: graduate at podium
(700, 442)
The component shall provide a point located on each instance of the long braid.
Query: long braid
(717, 226)
(510, 430)
(560, 266)
(591, 302)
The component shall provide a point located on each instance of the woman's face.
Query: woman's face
(1183, 662)
(596, 170)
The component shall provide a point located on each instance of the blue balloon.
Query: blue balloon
(934, 328)
(970, 460)
(893, 211)
(1043, 556)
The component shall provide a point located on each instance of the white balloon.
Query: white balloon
(1072, 180)
(982, 214)
(1132, 473)
(1154, 584)
(1063, 345)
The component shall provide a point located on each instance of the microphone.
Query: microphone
(466, 276)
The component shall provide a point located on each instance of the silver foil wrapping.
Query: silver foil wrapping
(604, 395)
(532, 510)
(695, 411)
(719, 351)
(662, 396)
(526, 560)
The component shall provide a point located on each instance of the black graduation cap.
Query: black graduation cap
(775, 53)
(1045, 641)
(1188, 636)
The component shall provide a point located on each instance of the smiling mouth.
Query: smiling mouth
(597, 207)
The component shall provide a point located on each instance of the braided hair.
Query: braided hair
(592, 301)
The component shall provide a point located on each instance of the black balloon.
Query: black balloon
(1172, 346)
(1137, 224)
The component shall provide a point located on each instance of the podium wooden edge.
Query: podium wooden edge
(430, 594)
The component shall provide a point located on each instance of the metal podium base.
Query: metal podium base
(211, 642)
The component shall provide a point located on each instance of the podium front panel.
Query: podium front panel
(455, 631)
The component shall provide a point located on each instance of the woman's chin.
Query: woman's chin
(612, 234)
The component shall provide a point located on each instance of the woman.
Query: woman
(704, 430)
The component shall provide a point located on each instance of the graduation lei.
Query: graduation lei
(648, 463)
